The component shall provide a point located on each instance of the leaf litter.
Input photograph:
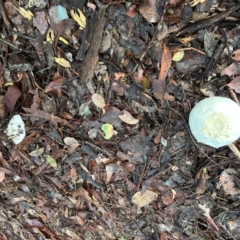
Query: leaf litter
(104, 91)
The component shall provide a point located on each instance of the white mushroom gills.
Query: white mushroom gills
(215, 121)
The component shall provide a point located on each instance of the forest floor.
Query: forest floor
(98, 96)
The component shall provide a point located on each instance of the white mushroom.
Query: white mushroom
(215, 121)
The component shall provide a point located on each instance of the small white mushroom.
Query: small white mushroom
(215, 121)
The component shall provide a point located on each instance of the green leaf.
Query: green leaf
(178, 56)
(108, 130)
(128, 4)
(51, 161)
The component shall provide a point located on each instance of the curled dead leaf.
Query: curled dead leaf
(128, 118)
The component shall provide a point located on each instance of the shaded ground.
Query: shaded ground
(108, 153)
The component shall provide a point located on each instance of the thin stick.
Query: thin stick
(234, 150)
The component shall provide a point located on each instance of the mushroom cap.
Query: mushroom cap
(215, 121)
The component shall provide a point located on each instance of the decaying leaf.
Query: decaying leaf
(160, 84)
(235, 84)
(71, 142)
(202, 181)
(37, 152)
(236, 55)
(12, 95)
(231, 70)
(166, 62)
(128, 118)
(227, 181)
(206, 213)
(50, 117)
(56, 84)
(142, 200)
(148, 9)
(98, 100)
(40, 22)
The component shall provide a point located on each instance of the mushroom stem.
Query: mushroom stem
(234, 149)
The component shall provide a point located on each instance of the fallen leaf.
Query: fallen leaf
(74, 175)
(160, 84)
(108, 130)
(166, 62)
(235, 84)
(51, 161)
(40, 22)
(71, 142)
(227, 181)
(12, 95)
(63, 62)
(37, 152)
(50, 117)
(231, 70)
(98, 100)
(26, 13)
(178, 56)
(128, 118)
(132, 11)
(2, 176)
(148, 9)
(142, 200)
(236, 55)
(56, 84)
(79, 18)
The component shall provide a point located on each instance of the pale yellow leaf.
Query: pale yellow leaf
(63, 62)
(26, 13)
(50, 36)
(98, 100)
(195, 2)
(63, 40)
(178, 56)
(128, 118)
(79, 18)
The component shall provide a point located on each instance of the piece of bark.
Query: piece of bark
(91, 59)
(203, 23)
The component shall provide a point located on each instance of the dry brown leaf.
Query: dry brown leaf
(166, 62)
(159, 85)
(40, 22)
(128, 118)
(12, 95)
(142, 200)
(227, 181)
(56, 84)
(132, 11)
(148, 9)
(2, 176)
(74, 175)
(235, 84)
(236, 55)
(231, 70)
(50, 117)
